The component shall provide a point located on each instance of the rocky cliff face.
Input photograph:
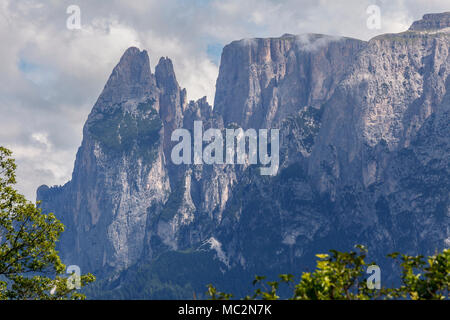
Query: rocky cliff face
(364, 151)
(434, 21)
(120, 171)
(271, 79)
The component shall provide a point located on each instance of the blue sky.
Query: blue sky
(214, 50)
(51, 76)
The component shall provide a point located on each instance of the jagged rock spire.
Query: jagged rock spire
(130, 79)
(165, 76)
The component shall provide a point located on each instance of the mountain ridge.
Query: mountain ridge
(351, 114)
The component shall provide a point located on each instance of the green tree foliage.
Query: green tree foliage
(30, 267)
(423, 278)
(342, 276)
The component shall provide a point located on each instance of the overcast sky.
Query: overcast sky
(51, 76)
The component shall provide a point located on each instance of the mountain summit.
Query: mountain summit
(130, 79)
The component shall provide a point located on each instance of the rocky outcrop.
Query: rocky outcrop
(432, 21)
(120, 171)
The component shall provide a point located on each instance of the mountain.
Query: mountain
(364, 159)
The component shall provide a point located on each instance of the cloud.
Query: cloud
(309, 43)
(51, 76)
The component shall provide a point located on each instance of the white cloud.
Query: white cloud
(42, 138)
